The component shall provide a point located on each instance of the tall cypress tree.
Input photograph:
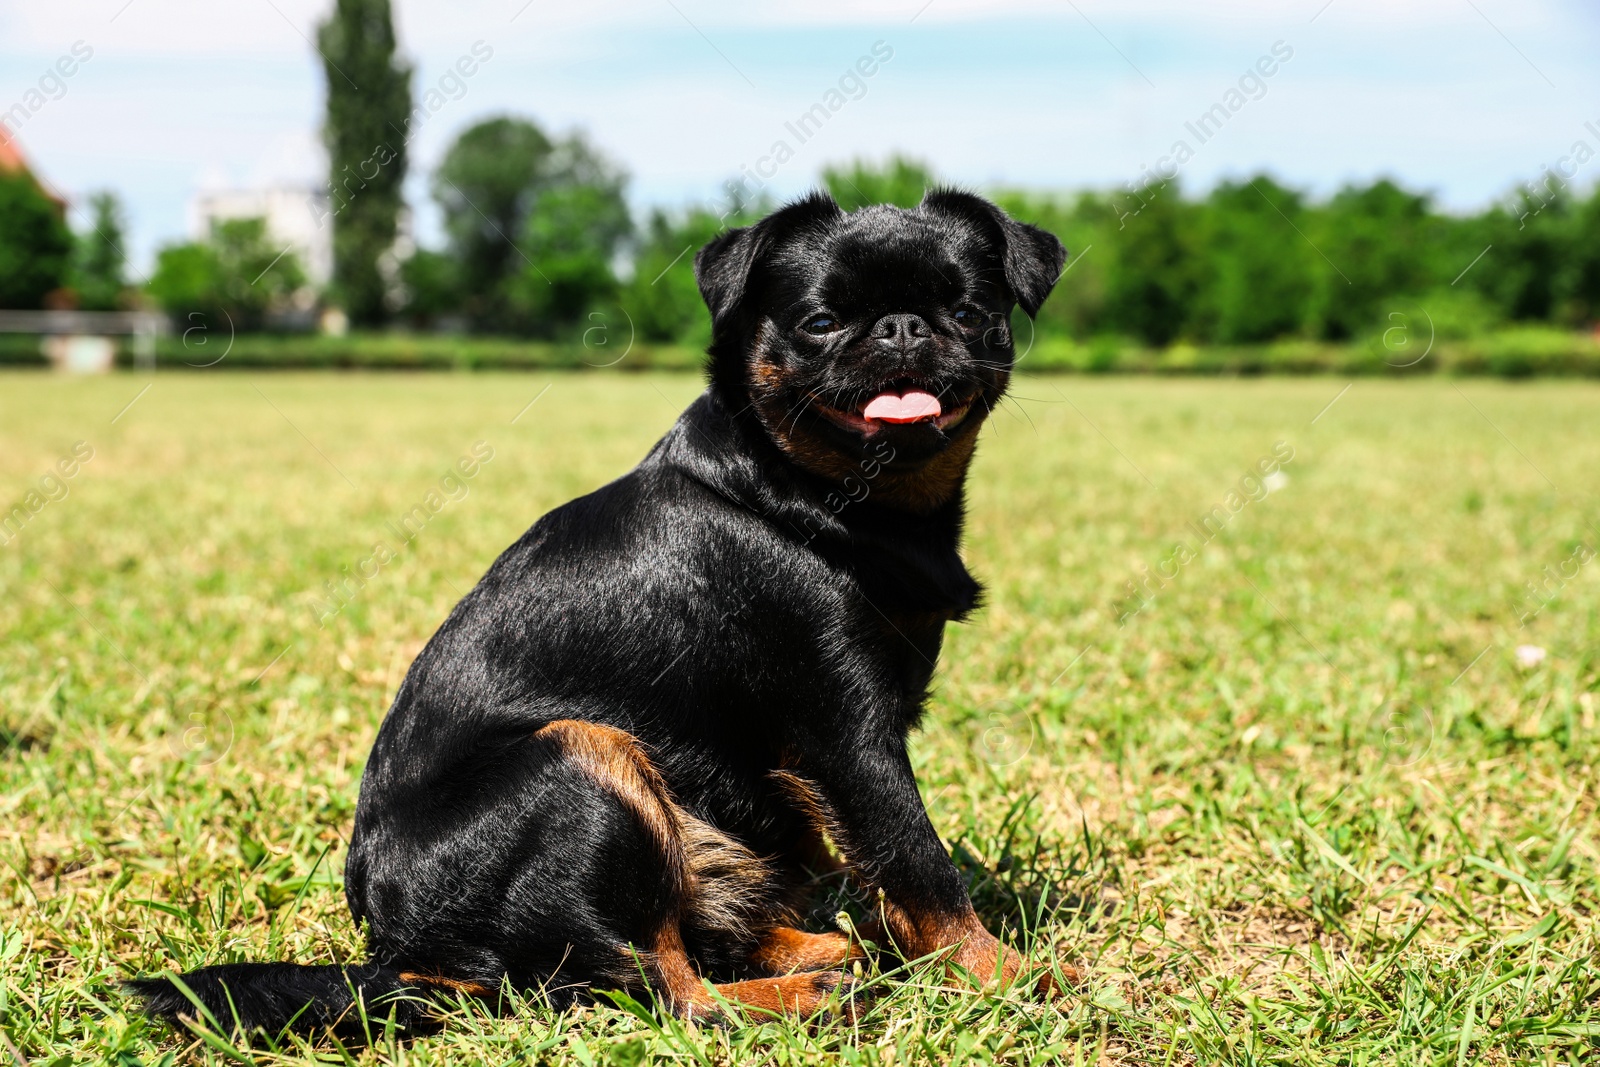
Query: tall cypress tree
(369, 100)
(101, 275)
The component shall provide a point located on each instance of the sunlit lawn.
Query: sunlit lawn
(1304, 806)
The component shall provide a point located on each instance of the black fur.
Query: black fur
(271, 996)
(733, 603)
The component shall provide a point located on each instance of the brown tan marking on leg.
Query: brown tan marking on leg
(690, 997)
(797, 995)
(614, 760)
(970, 946)
(720, 885)
(723, 885)
(438, 981)
(784, 950)
(674, 975)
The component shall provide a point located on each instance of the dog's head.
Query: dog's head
(877, 339)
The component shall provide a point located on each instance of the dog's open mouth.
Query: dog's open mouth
(899, 405)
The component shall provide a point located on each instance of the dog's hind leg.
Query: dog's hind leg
(785, 950)
(704, 872)
(802, 994)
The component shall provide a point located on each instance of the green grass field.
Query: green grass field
(1303, 806)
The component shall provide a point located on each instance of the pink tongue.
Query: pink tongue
(912, 407)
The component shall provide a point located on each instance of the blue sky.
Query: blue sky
(1460, 97)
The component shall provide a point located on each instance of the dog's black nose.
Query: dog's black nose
(901, 331)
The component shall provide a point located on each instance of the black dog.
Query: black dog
(619, 757)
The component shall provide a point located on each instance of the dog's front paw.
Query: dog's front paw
(984, 960)
(1051, 983)
(992, 964)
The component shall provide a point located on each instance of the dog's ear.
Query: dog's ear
(724, 266)
(1032, 257)
(722, 269)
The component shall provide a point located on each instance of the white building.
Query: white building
(296, 215)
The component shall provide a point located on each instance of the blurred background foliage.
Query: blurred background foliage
(540, 247)
(236, 274)
(540, 244)
(1252, 261)
(35, 243)
(539, 238)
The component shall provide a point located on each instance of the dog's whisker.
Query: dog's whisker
(1022, 410)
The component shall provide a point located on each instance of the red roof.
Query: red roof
(11, 159)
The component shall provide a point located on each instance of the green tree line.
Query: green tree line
(1254, 261)
(1250, 261)
(539, 238)
(539, 241)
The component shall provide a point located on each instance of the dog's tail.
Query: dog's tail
(274, 997)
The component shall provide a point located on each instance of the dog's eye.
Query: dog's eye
(968, 317)
(820, 325)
